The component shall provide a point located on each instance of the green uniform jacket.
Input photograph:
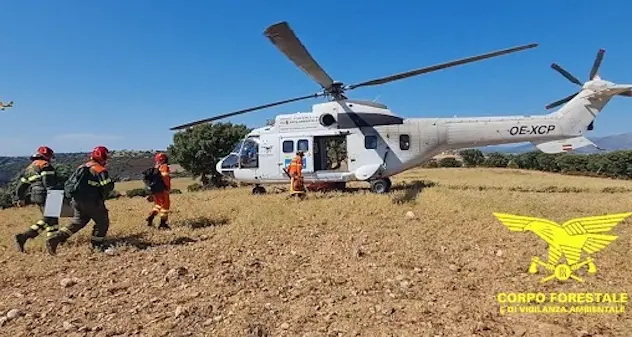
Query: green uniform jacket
(39, 177)
(99, 184)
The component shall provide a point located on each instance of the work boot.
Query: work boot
(150, 220)
(20, 239)
(163, 224)
(52, 243)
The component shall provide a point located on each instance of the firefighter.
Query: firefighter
(88, 201)
(297, 186)
(39, 177)
(161, 199)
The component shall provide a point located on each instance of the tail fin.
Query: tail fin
(564, 145)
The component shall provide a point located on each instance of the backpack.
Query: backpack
(77, 182)
(153, 180)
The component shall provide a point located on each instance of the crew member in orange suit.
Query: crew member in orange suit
(295, 169)
(161, 199)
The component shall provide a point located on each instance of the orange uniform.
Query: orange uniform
(161, 199)
(295, 170)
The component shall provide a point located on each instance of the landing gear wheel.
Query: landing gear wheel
(381, 186)
(258, 190)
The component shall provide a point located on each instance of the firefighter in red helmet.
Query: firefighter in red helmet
(38, 178)
(87, 188)
(160, 190)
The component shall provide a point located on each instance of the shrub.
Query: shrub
(5, 199)
(194, 187)
(449, 162)
(137, 192)
(114, 195)
(512, 165)
(430, 163)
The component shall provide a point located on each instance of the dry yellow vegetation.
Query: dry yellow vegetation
(336, 264)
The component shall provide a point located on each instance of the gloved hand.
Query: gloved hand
(149, 198)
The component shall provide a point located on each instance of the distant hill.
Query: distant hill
(608, 143)
(124, 165)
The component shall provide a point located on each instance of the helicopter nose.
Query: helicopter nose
(218, 167)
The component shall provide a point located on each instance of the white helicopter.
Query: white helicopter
(5, 105)
(380, 144)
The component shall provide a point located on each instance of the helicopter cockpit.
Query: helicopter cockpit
(245, 155)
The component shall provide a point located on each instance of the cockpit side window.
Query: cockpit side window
(249, 155)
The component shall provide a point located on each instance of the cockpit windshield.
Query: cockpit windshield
(237, 147)
(231, 161)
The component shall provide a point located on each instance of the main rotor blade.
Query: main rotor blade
(440, 66)
(626, 93)
(239, 112)
(566, 74)
(562, 101)
(597, 63)
(282, 36)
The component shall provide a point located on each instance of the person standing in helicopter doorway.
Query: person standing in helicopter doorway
(295, 170)
(158, 181)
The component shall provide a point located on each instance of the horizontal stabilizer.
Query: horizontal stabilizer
(564, 145)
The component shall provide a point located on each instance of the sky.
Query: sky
(121, 73)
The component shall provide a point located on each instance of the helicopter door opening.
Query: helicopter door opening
(291, 145)
(330, 153)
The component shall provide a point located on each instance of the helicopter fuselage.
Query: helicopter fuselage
(370, 142)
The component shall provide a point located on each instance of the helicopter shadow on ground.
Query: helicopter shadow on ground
(408, 192)
(402, 193)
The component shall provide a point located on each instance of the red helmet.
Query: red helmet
(100, 154)
(160, 158)
(44, 152)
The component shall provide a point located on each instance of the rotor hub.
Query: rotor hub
(336, 90)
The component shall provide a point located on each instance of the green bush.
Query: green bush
(512, 165)
(114, 195)
(472, 157)
(449, 162)
(195, 187)
(430, 163)
(5, 199)
(137, 192)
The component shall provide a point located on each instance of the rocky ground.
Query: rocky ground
(352, 264)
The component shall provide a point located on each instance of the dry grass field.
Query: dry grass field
(336, 264)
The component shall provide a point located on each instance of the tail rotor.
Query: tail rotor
(593, 75)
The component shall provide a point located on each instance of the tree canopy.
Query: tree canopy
(199, 148)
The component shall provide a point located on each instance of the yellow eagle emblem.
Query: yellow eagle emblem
(568, 240)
